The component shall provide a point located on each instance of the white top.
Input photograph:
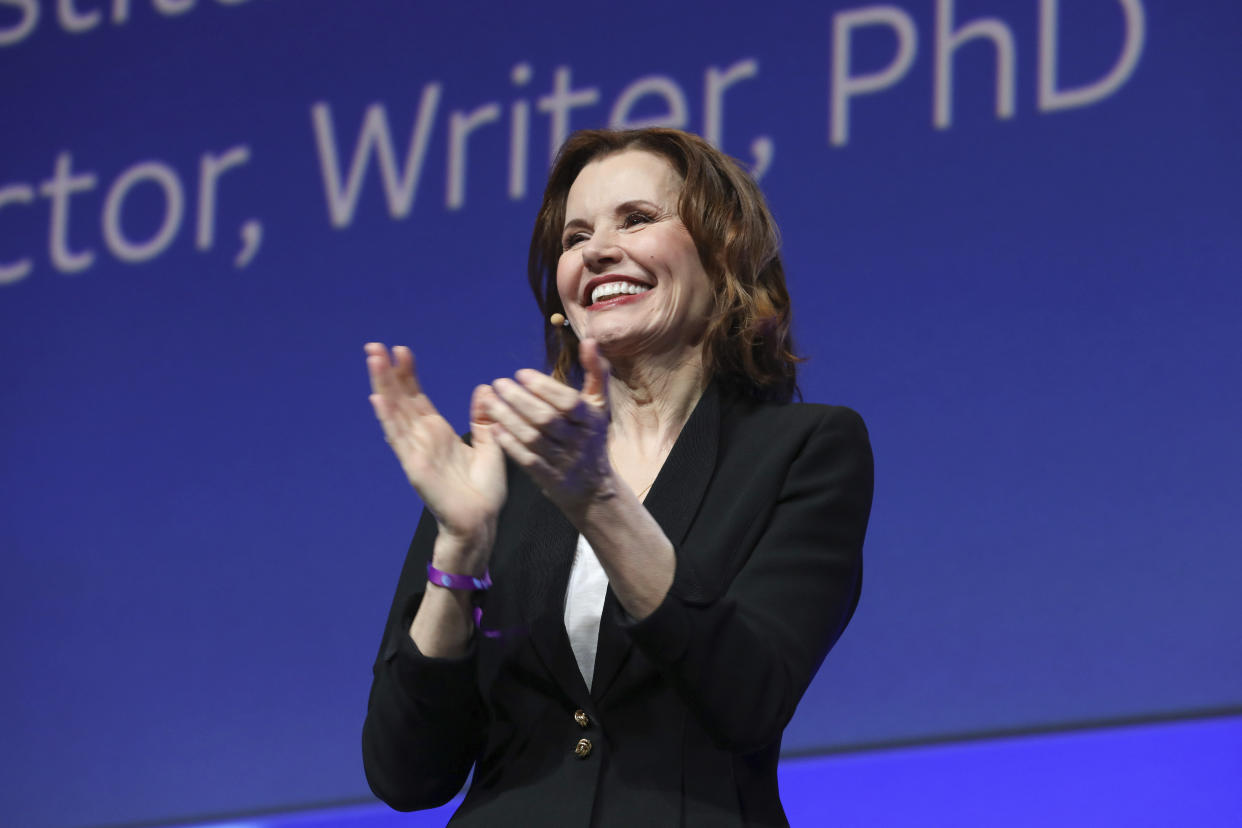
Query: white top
(584, 605)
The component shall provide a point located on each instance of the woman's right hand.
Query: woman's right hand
(463, 485)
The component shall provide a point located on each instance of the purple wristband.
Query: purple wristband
(449, 581)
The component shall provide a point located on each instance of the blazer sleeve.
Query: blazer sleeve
(424, 724)
(741, 661)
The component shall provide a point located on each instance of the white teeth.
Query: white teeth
(611, 289)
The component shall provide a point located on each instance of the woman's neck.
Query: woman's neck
(651, 399)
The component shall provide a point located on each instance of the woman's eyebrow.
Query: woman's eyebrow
(636, 203)
(623, 207)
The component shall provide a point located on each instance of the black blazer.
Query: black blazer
(766, 506)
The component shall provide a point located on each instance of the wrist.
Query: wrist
(606, 504)
(453, 580)
(463, 554)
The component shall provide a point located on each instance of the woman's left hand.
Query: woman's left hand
(558, 434)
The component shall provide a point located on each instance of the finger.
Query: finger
(399, 410)
(481, 400)
(481, 422)
(551, 391)
(394, 433)
(550, 421)
(379, 368)
(596, 366)
(510, 406)
(379, 352)
(407, 376)
(397, 367)
(396, 379)
(538, 468)
(401, 404)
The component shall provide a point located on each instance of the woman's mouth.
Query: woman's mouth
(611, 294)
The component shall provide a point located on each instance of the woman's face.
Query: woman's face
(630, 275)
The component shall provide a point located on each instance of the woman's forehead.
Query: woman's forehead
(629, 175)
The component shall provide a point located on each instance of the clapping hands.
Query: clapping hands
(557, 434)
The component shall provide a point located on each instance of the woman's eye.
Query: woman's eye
(633, 219)
(572, 240)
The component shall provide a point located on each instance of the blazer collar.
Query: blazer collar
(678, 489)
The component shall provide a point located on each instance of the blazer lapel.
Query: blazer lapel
(673, 501)
(547, 554)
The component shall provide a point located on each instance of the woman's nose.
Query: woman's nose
(600, 251)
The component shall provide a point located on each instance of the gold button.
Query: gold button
(582, 718)
(583, 749)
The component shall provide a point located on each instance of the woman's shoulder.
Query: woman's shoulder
(781, 432)
(796, 416)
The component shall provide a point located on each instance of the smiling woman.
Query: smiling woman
(625, 581)
(747, 337)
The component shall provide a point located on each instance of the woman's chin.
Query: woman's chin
(636, 347)
(619, 340)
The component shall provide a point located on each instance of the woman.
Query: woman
(672, 549)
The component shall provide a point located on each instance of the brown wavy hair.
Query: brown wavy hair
(748, 344)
